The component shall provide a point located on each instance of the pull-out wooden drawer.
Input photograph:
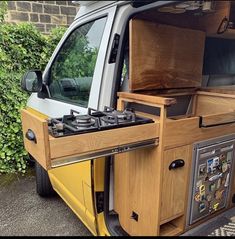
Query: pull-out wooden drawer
(53, 152)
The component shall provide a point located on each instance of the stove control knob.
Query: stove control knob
(59, 126)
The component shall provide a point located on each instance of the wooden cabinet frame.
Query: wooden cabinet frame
(146, 189)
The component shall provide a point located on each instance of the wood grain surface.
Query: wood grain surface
(39, 150)
(163, 56)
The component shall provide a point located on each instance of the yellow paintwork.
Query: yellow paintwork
(99, 168)
(37, 113)
(74, 185)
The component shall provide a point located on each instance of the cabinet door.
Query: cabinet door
(175, 183)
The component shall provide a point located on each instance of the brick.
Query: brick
(23, 6)
(45, 18)
(11, 5)
(70, 20)
(37, 7)
(49, 2)
(70, 3)
(40, 27)
(51, 9)
(33, 17)
(63, 3)
(19, 16)
(58, 19)
(49, 27)
(68, 10)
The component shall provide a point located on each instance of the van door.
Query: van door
(75, 71)
(73, 74)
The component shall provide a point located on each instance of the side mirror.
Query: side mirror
(32, 81)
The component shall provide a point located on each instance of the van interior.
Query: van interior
(184, 51)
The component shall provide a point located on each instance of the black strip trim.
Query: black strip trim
(141, 3)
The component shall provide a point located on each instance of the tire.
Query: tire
(31, 161)
(43, 184)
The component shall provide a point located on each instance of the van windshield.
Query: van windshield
(72, 71)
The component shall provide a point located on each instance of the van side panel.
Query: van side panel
(73, 184)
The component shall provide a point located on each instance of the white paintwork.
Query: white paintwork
(90, 8)
(52, 108)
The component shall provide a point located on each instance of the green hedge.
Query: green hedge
(22, 47)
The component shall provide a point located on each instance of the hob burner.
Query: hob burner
(83, 121)
(93, 121)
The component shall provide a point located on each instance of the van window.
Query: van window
(72, 71)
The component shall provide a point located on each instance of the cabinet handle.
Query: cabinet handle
(30, 135)
(178, 163)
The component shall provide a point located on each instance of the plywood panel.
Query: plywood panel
(216, 119)
(137, 181)
(187, 131)
(212, 103)
(163, 56)
(136, 190)
(39, 150)
(175, 183)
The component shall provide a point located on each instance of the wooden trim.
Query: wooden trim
(177, 94)
(147, 98)
(229, 89)
(194, 106)
(169, 229)
(215, 94)
(215, 119)
(171, 218)
(139, 102)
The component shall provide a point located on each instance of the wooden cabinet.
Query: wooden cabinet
(174, 183)
(144, 185)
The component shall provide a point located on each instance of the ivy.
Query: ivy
(3, 10)
(22, 47)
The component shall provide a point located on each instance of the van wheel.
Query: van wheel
(31, 161)
(43, 184)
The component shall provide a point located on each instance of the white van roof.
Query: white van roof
(87, 7)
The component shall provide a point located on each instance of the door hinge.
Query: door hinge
(114, 49)
(99, 201)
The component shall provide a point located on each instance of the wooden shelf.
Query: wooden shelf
(168, 229)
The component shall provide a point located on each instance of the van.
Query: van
(132, 121)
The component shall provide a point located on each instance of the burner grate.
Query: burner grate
(94, 121)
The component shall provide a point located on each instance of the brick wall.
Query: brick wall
(45, 15)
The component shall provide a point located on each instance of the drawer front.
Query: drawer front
(174, 183)
(214, 120)
(38, 148)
